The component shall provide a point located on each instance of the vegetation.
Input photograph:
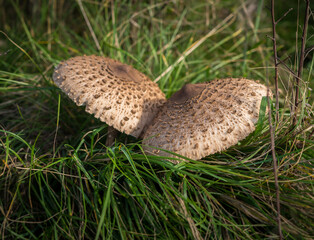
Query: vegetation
(58, 180)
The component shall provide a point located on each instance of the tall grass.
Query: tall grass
(58, 180)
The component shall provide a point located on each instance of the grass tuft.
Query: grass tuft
(59, 180)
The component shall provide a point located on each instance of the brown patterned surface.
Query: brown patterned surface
(116, 93)
(205, 118)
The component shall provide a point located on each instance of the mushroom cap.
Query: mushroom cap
(115, 92)
(205, 118)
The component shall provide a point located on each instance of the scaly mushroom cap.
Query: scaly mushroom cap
(116, 93)
(205, 118)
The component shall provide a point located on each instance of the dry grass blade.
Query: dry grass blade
(195, 232)
(89, 26)
(275, 57)
(272, 139)
(223, 24)
(301, 61)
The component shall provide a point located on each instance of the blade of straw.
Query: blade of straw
(223, 24)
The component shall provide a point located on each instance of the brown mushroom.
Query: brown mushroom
(114, 92)
(202, 119)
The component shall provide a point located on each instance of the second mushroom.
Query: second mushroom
(205, 118)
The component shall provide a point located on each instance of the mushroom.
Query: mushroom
(205, 118)
(114, 92)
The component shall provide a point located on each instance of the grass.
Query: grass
(59, 181)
